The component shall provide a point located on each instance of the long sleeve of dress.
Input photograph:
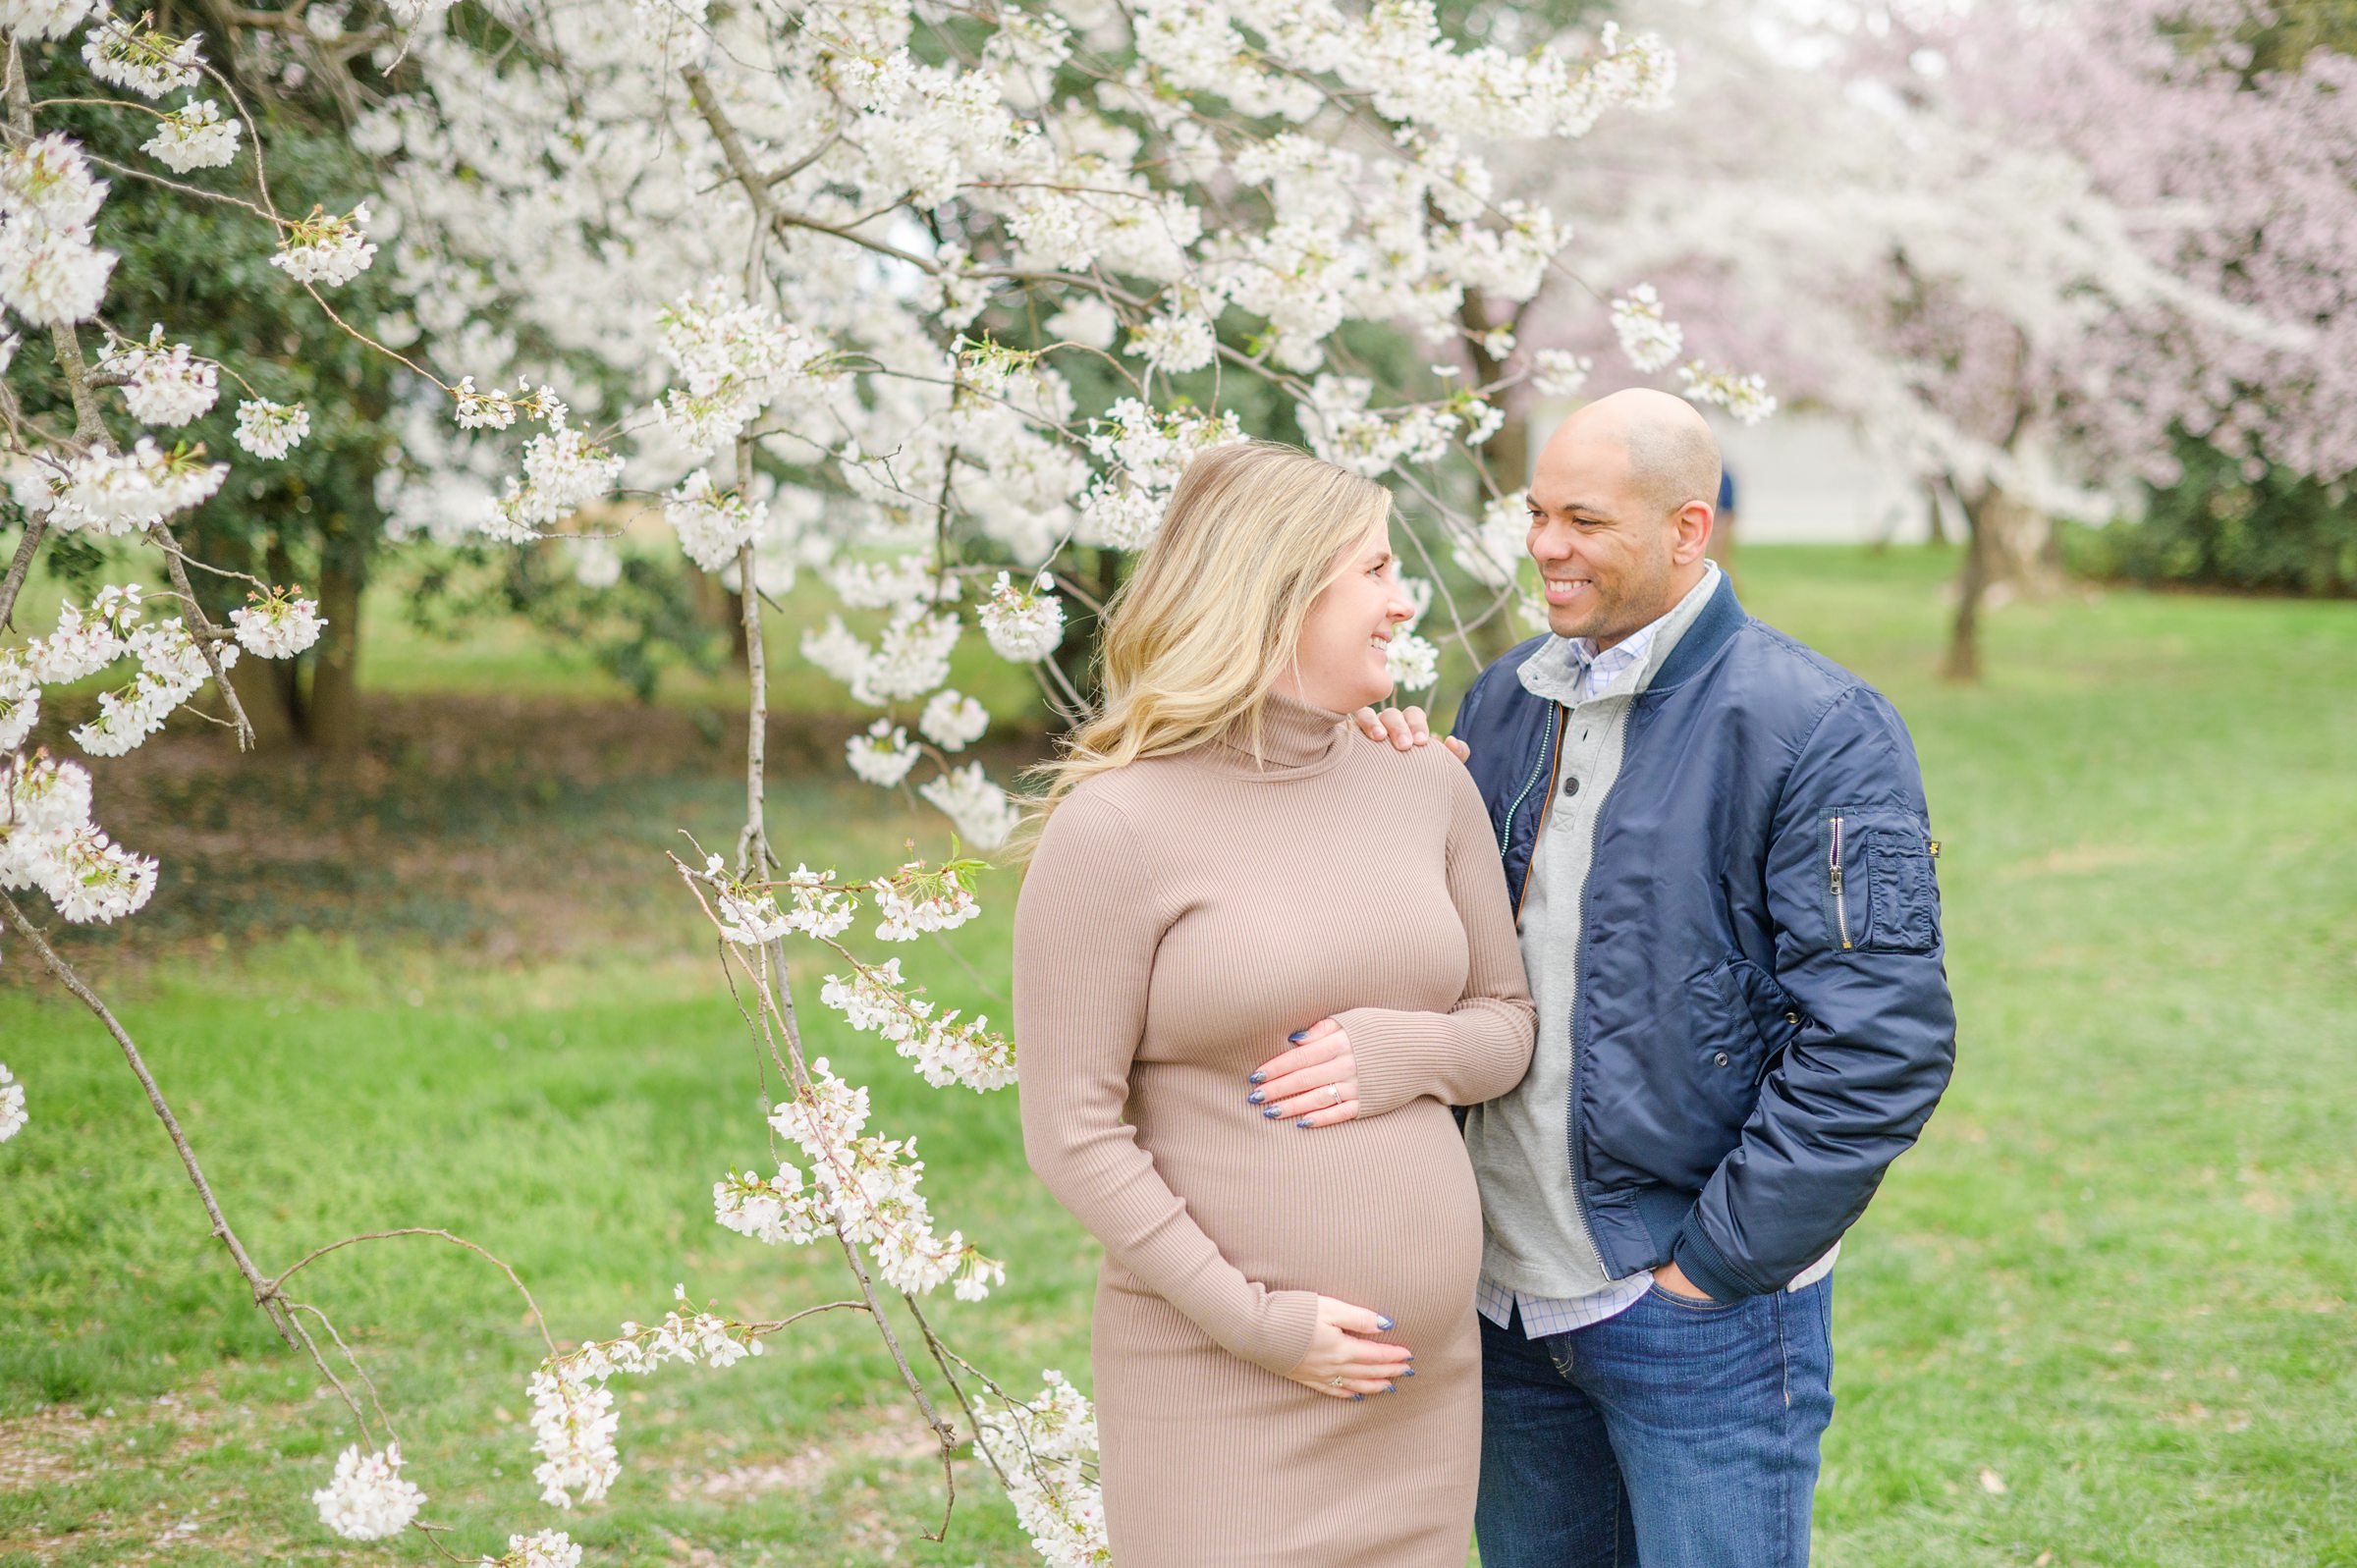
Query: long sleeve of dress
(1479, 1048)
(1086, 927)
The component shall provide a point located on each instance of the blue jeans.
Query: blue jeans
(1675, 1436)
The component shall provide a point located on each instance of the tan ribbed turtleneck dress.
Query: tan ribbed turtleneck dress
(1180, 917)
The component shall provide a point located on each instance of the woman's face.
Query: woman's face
(1345, 657)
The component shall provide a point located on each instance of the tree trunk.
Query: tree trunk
(1964, 637)
(741, 647)
(266, 689)
(2009, 553)
(2020, 561)
(332, 718)
(1939, 514)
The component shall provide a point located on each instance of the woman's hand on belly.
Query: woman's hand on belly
(1344, 1361)
(1315, 1083)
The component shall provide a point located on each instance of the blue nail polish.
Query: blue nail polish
(1271, 1111)
(1384, 1324)
(1258, 1077)
(1410, 1372)
(1254, 1098)
(1304, 1123)
(1358, 1396)
(1295, 1036)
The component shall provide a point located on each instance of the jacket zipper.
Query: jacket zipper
(1506, 833)
(1833, 868)
(1538, 830)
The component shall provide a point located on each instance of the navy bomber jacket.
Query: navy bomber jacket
(1763, 1021)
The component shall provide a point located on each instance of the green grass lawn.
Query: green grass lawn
(2101, 1315)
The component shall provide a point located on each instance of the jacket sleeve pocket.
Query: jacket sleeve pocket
(1879, 892)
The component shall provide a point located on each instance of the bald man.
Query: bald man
(1721, 866)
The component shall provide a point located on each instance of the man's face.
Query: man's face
(1602, 546)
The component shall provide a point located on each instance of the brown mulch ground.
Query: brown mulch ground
(505, 830)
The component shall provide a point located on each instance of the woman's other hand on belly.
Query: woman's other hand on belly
(1344, 1361)
(1314, 1084)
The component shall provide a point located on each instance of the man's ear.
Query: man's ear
(1692, 523)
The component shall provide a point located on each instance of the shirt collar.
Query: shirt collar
(1573, 670)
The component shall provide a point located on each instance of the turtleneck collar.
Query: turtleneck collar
(1297, 739)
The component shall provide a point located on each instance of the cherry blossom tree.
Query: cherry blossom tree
(805, 281)
(1933, 222)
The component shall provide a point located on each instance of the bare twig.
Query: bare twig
(161, 532)
(539, 1317)
(374, 1400)
(14, 583)
(329, 1372)
(264, 1293)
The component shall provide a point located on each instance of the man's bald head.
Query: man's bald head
(1621, 508)
(1672, 455)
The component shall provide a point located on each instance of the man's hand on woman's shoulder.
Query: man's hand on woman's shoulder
(1406, 729)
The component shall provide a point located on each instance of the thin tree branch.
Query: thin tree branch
(539, 1317)
(264, 1293)
(161, 532)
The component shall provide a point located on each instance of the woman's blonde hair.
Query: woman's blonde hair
(1213, 614)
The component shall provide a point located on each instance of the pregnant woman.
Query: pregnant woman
(1256, 960)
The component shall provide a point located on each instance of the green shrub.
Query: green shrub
(2281, 533)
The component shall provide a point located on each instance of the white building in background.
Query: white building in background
(1801, 478)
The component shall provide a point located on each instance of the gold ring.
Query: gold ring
(1338, 1383)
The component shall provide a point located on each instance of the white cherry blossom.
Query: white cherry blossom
(543, 1549)
(368, 1500)
(883, 755)
(984, 817)
(277, 624)
(1023, 624)
(33, 20)
(164, 386)
(269, 429)
(139, 57)
(712, 525)
(195, 137)
(1648, 339)
(119, 493)
(327, 248)
(953, 720)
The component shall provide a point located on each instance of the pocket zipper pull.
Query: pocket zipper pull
(1840, 905)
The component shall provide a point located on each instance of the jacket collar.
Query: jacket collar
(1721, 616)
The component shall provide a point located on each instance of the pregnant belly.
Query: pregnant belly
(1382, 1213)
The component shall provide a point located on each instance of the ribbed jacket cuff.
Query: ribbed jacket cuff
(1707, 1266)
(1400, 1054)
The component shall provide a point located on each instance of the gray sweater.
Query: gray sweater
(1535, 1240)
